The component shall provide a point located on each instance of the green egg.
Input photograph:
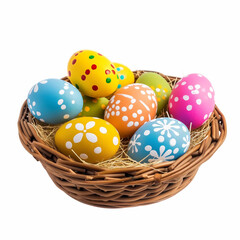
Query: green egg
(93, 107)
(159, 85)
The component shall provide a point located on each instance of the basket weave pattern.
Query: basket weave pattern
(120, 187)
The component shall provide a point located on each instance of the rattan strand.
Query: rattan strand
(121, 187)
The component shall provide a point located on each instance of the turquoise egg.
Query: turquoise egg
(54, 101)
(159, 140)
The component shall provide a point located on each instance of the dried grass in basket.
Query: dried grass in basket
(125, 186)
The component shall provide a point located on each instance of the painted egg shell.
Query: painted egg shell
(130, 107)
(125, 75)
(162, 139)
(159, 85)
(87, 138)
(93, 107)
(192, 100)
(54, 101)
(93, 74)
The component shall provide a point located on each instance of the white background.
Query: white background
(173, 37)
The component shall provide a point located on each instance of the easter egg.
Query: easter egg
(90, 139)
(159, 85)
(192, 100)
(92, 73)
(161, 139)
(130, 107)
(125, 75)
(54, 101)
(93, 107)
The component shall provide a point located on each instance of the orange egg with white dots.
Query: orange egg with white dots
(130, 107)
(92, 73)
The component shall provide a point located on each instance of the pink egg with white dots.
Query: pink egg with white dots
(192, 100)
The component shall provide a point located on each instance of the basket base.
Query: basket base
(116, 199)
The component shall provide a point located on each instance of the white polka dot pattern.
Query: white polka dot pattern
(192, 100)
(136, 104)
(54, 101)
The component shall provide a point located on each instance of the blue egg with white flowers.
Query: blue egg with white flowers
(159, 140)
(54, 101)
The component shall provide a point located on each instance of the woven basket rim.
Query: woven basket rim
(86, 175)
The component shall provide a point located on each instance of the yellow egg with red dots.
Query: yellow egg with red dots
(125, 75)
(87, 138)
(92, 73)
(93, 107)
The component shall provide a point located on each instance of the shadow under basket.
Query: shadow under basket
(126, 186)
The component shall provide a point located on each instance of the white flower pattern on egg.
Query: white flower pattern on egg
(91, 137)
(162, 156)
(166, 127)
(186, 143)
(161, 139)
(133, 143)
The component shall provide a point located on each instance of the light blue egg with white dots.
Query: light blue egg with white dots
(159, 140)
(54, 101)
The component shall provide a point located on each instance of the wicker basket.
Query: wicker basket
(121, 187)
